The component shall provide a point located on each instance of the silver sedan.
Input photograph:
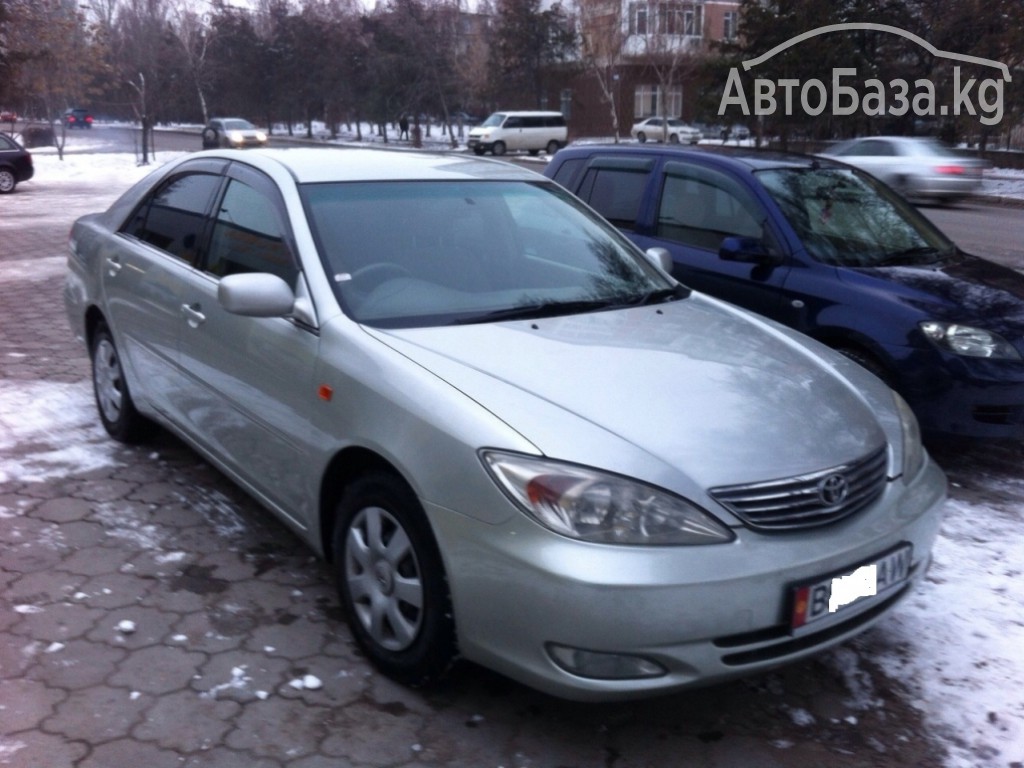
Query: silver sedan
(515, 438)
(917, 168)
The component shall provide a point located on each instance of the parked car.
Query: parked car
(519, 131)
(918, 168)
(232, 132)
(77, 118)
(513, 435)
(672, 130)
(832, 252)
(15, 164)
(7, 116)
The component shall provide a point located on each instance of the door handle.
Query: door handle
(114, 266)
(193, 314)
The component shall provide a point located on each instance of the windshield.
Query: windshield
(847, 218)
(419, 253)
(238, 125)
(494, 121)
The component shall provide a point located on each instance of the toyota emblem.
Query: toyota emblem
(833, 490)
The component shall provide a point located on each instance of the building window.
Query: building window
(730, 24)
(638, 18)
(651, 100)
(693, 21)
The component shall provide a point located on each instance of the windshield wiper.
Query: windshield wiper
(557, 308)
(923, 254)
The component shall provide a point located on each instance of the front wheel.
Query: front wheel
(113, 400)
(499, 148)
(211, 138)
(641, 137)
(868, 361)
(391, 580)
(673, 138)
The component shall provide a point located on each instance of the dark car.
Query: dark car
(15, 164)
(77, 118)
(833, 252)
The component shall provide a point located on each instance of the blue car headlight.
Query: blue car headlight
(600, 507)
(968, 341)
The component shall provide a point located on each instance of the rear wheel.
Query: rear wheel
(113, 400)
(553, 147)
(7, 181)
(391, 580)
(499, 148)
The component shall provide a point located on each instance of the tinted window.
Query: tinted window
(569, 171)
(514, 122)
(172, 217)
(615, 193)
(700, 207)
(248, 236)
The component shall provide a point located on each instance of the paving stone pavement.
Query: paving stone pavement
(152, 615)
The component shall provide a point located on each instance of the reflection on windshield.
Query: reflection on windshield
(845, 218)
(438, 252)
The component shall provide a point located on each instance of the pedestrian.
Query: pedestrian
(403, 127)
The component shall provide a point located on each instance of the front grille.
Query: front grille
(810, 500)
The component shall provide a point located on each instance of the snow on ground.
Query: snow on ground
(956, 644)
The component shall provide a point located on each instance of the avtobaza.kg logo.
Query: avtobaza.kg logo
(874, 98)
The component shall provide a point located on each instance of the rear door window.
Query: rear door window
(614, 187)
(172, 218)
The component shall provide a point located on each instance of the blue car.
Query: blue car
(830, 251)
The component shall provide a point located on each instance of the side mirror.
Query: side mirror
(661, 258)
(256, 294)
(748, 250)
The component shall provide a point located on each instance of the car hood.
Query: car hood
(696, 386)
(967, 289)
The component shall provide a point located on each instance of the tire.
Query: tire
(868, 361)
(478, 150)
(391, 581)
(7, 181)
(499, 148)
(673, 138)
(211, 140)
(113, 400)
(641, 137)
(553, 147)
(534, 152)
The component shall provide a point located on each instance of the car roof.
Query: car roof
(741, 158)
(312, 165)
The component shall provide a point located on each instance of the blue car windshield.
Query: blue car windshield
(846, 218)
(421, 253)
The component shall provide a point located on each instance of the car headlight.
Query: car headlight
(261, 136)
(969, 341)
(234, 137)
(596, 506)
(913, 449)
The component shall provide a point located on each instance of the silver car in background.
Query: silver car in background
(918, 168)
(515, 438)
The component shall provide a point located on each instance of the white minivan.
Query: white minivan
(529, 131)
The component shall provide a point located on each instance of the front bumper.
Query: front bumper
(957, 396)
(705, 614)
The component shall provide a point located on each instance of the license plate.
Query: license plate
(814, 602)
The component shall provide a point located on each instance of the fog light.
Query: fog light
(604, 666)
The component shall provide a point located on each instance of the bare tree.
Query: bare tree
(602, 45)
